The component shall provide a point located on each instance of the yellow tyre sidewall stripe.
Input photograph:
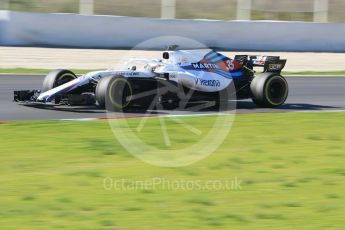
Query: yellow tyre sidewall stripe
(111, 93)
(266, 89)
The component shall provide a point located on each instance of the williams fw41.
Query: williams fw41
(179, 78)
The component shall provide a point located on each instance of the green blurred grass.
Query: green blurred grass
(291, 166)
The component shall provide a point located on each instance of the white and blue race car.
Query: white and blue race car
(178, 78)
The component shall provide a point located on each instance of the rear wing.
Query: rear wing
(269, 63)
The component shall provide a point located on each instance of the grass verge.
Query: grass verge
(291, 168)
(78, 71)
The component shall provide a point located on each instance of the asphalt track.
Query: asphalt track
(306, 94)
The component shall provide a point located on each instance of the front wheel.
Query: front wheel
(114, 93)
(269, 90)
(56, 78)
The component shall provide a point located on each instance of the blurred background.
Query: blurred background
(288, 10)
(73, 31)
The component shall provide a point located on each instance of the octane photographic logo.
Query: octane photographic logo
(168, 132)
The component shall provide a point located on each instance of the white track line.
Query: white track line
(199, 115)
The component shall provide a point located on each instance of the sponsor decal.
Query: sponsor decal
(204, 66)
(274, 66)
(260, 60)
(128, 73)
(210, 83)
(230, 64)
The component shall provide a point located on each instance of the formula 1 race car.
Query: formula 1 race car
(180, 76)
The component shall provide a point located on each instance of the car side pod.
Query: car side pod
(26, 95)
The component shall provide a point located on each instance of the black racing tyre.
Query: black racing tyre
(269, 90)
(170, 104)
(56, 78)
(170, 95)
(114, 93)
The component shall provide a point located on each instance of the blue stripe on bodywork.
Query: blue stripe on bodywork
(222, 73)
(217, 59)
(236, 74)
(211, 55)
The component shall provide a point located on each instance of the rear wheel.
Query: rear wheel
(269, 90)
